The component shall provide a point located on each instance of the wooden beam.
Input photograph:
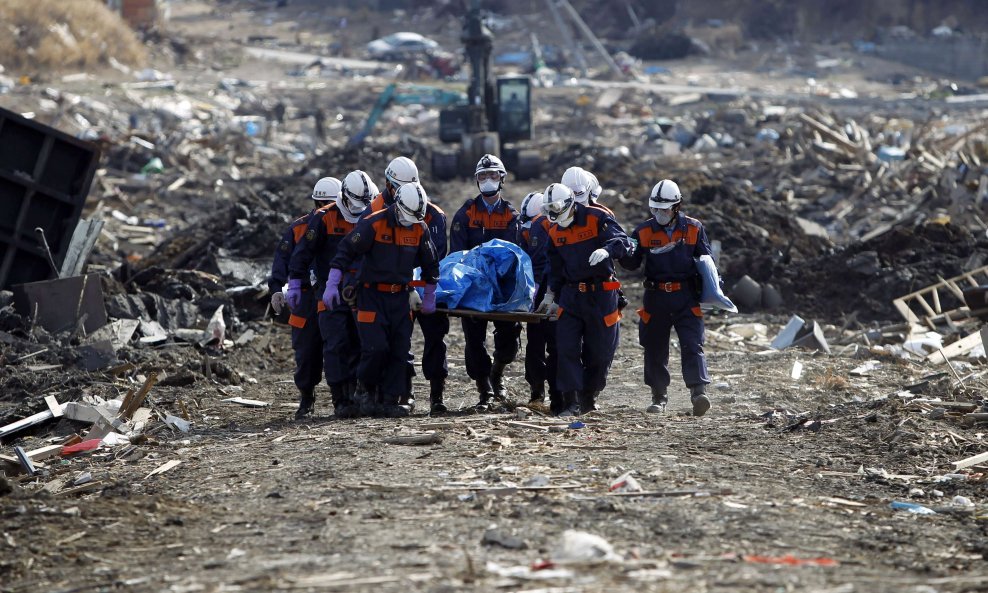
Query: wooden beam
(958, 348)
(968, 462)
(39, 418)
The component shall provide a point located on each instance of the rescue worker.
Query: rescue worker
(337, 326)
(306, 340)
(434, 328)
(540, 347)
(669, 243)
(586, 190)
(483, 218)
(583, 241)
(392, 243)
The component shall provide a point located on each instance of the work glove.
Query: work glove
(331, 296)
(414, 300)
(634, 246)
(549, 306)
(277, 302)
(598, 256)
(429, 301)
(294, 296)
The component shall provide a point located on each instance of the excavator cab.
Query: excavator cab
(514, 108)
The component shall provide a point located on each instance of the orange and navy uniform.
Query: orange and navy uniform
(388, 254)
(570, 248)
(474, 224)
(534, 240)
(318, 244)
(306, 339)
(669, 254)
(283, 253)
(587, 330)
(380, 202)
(540, 346)
(389, 251)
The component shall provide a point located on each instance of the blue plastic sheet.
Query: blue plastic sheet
(495, 276)
(712, 294)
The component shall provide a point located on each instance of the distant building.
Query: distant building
(139, 14)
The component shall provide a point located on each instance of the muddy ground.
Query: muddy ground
(262, 503)
(784, 485)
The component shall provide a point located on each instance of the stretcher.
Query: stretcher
(519, 316)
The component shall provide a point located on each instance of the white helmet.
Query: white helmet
(531, 207)
(559, 204)
(400, 171)
(326, 189)
(595, 189)
(357, 192)
(665, 194)
(578, 180)
(411, 203)
(488, 163)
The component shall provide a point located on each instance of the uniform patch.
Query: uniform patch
(284, 246)
(534, 241)
(355, 237)
(310, 234)
(456, 226)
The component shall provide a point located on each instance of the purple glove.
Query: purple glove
(331, 297)
(429, 300)
(294, 295)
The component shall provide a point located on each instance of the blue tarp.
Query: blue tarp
(713, 294)
(495, 276)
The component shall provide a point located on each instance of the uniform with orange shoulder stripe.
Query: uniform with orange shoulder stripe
(583, 241)
(302, 299)
(481, 219)
(540, 343)
(316, 249)
(668, 244)
(390, 244)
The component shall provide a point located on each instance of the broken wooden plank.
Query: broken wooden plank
(54, 406)
(517, 424)
(968, 462)
(44, 452)
(127, 408)
(428, 438)
(672, 493)
(958, 348)
(39, 418)
(249, 403)
(87, 487)
(164, 467)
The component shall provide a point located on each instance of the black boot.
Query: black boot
(407, 400)
(538, 395)
(306, 403)
(486, 393)
(659, 401)
(572, 409)
(436, 388)
(557, 403)
(701, 403)
(365, 400)
(497, 381)
(343, 405)
(588, 401)
(389, 406)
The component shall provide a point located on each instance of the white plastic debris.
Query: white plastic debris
(179, 423)
(580, 546)
(216, 329)
(626, 483)
(797, 371)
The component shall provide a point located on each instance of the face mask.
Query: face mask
(662, 215)
(565, 219)
(405, 219)
(489, 187)
(345, 209)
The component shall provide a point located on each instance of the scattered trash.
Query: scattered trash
(625, 483)
(911, 507)
(580, 546)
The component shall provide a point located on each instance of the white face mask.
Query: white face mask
(566, 218)
(489, 187)
(662, 215)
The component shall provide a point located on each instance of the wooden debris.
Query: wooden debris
(248, 403)
(28, 422)
(427, 438)
(958, 348)
(164, 467)
(975, 460)
(134, 401)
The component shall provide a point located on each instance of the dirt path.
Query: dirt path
(260, 503)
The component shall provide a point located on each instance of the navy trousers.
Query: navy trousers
(587, 333)
(306, 342)
(384, 324)
(661, 312)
